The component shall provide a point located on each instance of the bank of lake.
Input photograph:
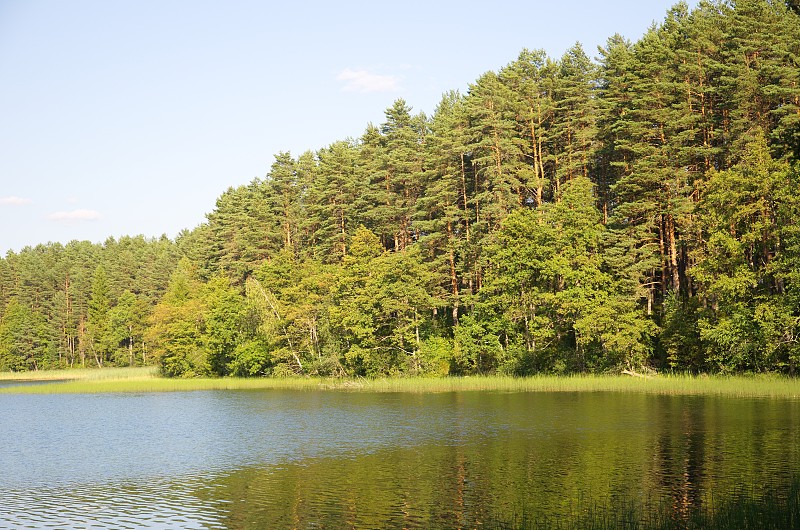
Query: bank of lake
(147, 379)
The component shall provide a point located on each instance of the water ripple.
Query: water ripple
(215, 460)
(128, 505)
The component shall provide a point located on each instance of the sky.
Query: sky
(132, 117)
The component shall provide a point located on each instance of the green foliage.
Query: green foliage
(249, 359)
(680, 335)
(101, 339)
(550, 294)
(435, 357)
(176, 326)
(127, 326)
(561, 216)
(740, 265)
(223, 321)
(475, 349)
(381, 305)
(21, 339)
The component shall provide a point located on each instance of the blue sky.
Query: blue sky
(125, 118)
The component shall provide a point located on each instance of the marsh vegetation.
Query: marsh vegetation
(148, 379)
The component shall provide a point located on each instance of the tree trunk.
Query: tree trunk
(538, 170)
(98, 359)
(464, 194)
(663, 252)
(82, 341)
(673, 254)
(453, 275)
(130, 344)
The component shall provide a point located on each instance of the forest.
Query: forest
(635, 211)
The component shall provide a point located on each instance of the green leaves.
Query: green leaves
(21, 339)
(176, 325)
(554, 293)
(382, 306)
(561, 215)
(747, 215)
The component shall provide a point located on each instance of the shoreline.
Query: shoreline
(146, 379)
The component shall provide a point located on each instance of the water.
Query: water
(284, 459)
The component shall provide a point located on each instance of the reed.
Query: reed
(84, 374)
(742, 386)
(147, 380)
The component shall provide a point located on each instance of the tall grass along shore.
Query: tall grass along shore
(147, 380)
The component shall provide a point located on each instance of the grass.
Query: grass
(84, 374)
(761, 386)
(147, 380)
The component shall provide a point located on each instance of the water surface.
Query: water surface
(300, 459)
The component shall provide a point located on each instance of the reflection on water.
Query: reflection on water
(329, 460)
(151, 504)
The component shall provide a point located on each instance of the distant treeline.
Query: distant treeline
(562, 216)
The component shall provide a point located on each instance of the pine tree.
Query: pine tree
(241, 232)
(283, 199)
(443, 211)
(393, 165)
(761, 78)
(574, 129)
(175, 334)
(99, 324)
(532, 78)
(496, 154)
(613, 156)
(22, 339)
(741, 214)
(127, 322)
(333, 199)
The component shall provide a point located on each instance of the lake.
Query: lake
(326, 459)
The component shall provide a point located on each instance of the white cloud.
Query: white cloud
(365, 82)
(75, 215)
(15, 201)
